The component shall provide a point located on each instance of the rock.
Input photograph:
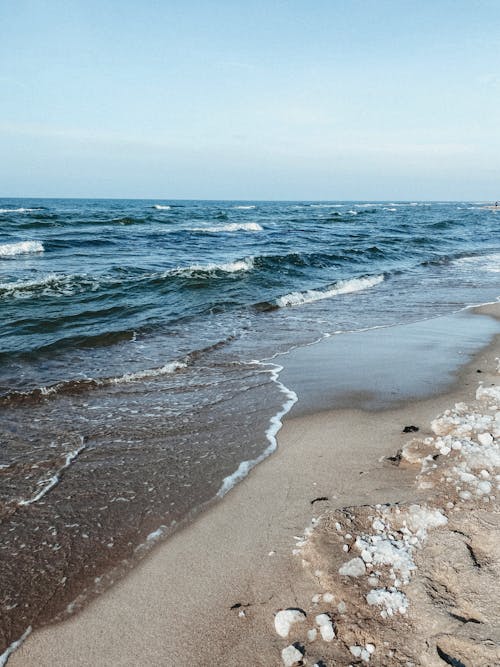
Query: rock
(353, 568)
(292, 655)
(285, 618)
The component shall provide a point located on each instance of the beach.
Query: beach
(209, 594)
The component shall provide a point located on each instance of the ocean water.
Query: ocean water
(139, 357)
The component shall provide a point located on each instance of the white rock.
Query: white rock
(356, 651)
(485, 438)
(328, 597)
(284, 620)
(325, 627)
(291, 656)
(312, 634)
(353, 568)
(483, 488)
(365, 656)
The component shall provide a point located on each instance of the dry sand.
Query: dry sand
(175, 608)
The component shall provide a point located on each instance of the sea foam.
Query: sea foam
(275, 425)
(342, 287)
(20, 248)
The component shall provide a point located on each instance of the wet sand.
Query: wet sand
(209, 593)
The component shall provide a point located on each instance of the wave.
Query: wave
(244, 208)
(167, 369)
(161, 207)
(211, 269)
(19, 210)
(490, 263)
(78, 386)
(50, 284)
(342, 287)
(327, 205)
(57, 284)
(20, 248)
(231, 227)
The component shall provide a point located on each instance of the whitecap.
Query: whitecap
(229, 267)
(230, 227)
(342, 287)
(161, 207)
(490, 263)
(327, 205)
(20, 248)
(167, 369)
(52, 284)
(244, 208)
(19, 210)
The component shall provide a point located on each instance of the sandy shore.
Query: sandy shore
(209, 594)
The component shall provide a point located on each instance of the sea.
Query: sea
(141, 345)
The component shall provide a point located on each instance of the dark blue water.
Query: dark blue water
(132, 335)
(178, 276)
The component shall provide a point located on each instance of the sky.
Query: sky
(311, 99)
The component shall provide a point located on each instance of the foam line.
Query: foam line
(52, 481)
(13, 647)
(274, 426)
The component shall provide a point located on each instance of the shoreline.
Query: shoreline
(158, 614)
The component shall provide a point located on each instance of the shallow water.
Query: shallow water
(130, 382)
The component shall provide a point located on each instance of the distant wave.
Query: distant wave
(327, 205)
(20, 248)
(161, 207)
(245, 207)
(342, 287)
(19, 210)
(230, 227)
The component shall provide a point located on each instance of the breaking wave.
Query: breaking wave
(342, 287)
(230, 227)
(19, 210)
(20, 248)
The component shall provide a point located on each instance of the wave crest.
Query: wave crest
(19, 210)
(20, 248)
(342, 287)
(230, 227)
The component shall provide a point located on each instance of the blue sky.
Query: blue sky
(318, 99)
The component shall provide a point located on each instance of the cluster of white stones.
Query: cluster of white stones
(389, 550)
(293, 654)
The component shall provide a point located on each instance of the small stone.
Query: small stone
(485, 438)
(291, 656)
(285, 618)
(353, 568)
